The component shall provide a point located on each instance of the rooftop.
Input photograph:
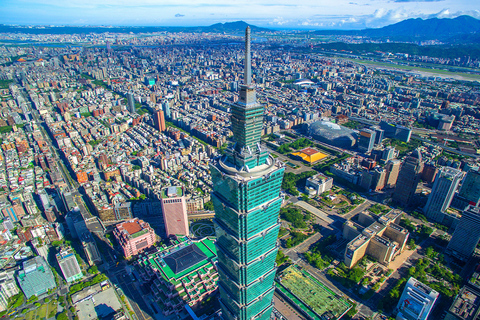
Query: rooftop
(313, 297)
(185, 258)
(132, 227)
(168, 262)
(466, 305)
(171, 192)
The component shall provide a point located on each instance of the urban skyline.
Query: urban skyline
(169, 174)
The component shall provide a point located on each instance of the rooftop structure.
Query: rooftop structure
(310, 155)
(184, 273)
(36, 277)
(134, 236)
(416, 302)
(466, 305)
(69, 265)
(311, 296)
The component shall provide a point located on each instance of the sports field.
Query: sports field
(313, 294)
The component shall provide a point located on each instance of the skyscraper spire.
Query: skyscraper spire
(248, 61)
(246, 198)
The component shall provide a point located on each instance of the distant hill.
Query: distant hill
(466, 28)
(237, 26)
(228, 27)
(428, 29)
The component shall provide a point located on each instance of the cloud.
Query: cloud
(418, 0)
(178, 15)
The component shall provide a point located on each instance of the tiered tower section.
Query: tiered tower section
(246, 197)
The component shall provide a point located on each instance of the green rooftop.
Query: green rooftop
(313, 297)
(206, 245)
(139, 233)
(170, 192)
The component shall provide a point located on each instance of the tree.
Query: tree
(93, 269)
(208, 205)
(63, 316)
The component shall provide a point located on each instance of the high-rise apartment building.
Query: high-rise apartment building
(366, 140)
(174, 208)
(69, 265)
(408, 178)
(130, 103)
(246, 198)
(466, 235)
(159, 119)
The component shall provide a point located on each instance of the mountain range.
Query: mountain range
(462, 29)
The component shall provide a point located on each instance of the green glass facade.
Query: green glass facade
(246, 198)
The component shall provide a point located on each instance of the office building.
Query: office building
(174, 208)
(429, 172)
(392, 169)
(130, 103)
(394, 131)
(318, 184)
(379, 134)
(366, 140)
(69, 265)
(470, 190)
(466, 235)
(379, 237)
(159, 120)
(134, 236)
(416, 302)
(91, 250)
(444, 187)
(36, 277)
(408, 178)
(389, 153)
(246, 199)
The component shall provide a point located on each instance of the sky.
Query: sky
(275, 14)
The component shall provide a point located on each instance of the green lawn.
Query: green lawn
(52, 308)
(30, 315)
(42, 311)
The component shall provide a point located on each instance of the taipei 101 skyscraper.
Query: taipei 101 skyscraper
(246, 197)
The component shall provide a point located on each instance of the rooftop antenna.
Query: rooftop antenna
(248, 62)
